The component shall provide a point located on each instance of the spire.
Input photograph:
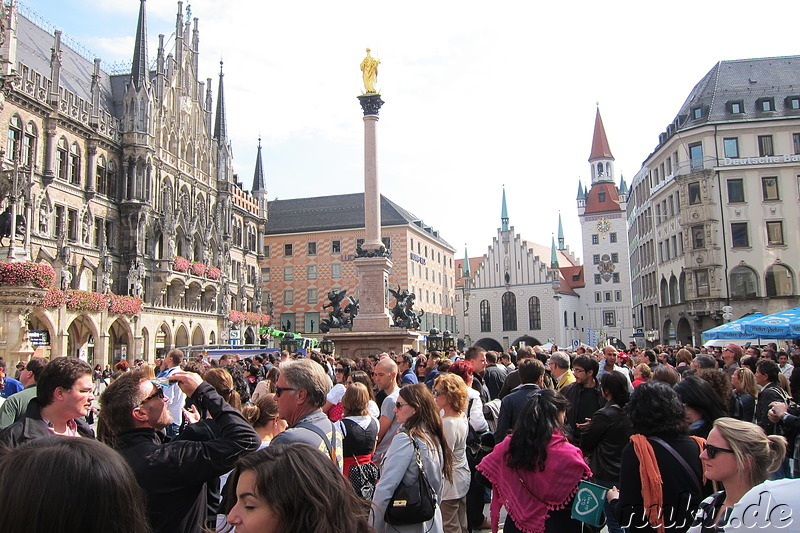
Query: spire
(465, 273)
(258, 177)
(553, 255)
(623, 187)
(221, 125)
(600, 147)
(560, 233)
(580, 191)
(504, 212)
(139, 76)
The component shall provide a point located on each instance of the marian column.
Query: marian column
(372, 263)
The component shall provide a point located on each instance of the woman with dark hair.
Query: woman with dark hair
(359, 376)
(263, 416)
(69, 485)
(312, 494)
(703, 404)
(535, 471)
(267, 386)
(607, 435)
(333, 404)
(422, 431)
(660, 483)
(420, 368)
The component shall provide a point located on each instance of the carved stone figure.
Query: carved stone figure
(338, 317)
(403, 313)
(66, 279)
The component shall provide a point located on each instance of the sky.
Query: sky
(478, 95)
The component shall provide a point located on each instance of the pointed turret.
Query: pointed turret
(504, 212)
(623, 187)
(139, 77)
(259, 190)
(553, 254)
(601, 160)
(465, 272)
(560, 233)
(221, 124)
(580, 191)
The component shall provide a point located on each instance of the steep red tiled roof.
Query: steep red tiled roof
(600, 147)
(611, 204)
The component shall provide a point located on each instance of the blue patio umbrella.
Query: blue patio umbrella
(783, 325)
(735, 329)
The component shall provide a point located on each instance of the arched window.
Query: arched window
(509, 302)
(682, 287)
(14, 137)
(61, 158)
(744, 282)
(74, 164)
(486, 316)
(779, 281)
(29, 145)
(574, 320)
(111, 179)
(566, 320)
(664, 293)
(674, 297)
(534, 313)
(599, 169)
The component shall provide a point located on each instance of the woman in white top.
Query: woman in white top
(333, 406)
(450, 394)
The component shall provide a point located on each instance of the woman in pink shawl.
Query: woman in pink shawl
(535, 471)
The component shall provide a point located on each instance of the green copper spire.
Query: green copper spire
(580, 191)
(465, 273)
(553, 255)
(560, 233)
(504, 212)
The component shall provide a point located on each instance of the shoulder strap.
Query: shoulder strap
(330, 446)
(681, 461)
(469, 407)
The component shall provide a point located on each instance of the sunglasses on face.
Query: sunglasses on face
(712, 450)
(158, 392)
(399, 405)
(280, 390)
(340, 370)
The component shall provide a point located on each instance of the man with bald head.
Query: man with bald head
(385, 378)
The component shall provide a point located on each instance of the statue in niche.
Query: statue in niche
(339, 317)
(66, 278)
(135, 277)
(369, 72)
(171, 247)
(403, 313)
(87, 227)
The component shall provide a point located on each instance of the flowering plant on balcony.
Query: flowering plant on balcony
(23, 273)
(93, 302)
(198, 269)
(181, 264)
(125, 305)
(53, 298)
(213, 273)
(236, 316)
(258, 319)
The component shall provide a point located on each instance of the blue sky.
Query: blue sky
(478, 95)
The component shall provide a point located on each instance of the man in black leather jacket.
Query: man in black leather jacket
(172, 474)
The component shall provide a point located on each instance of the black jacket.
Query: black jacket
(572, 393)
(510, 408)
(494, 377)
(173, 474)
(31, 426)
(772, 392)
(604, 440)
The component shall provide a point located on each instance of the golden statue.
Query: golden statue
(369, 69)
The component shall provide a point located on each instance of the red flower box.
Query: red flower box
(53, 299)
(213, 273)
(181, 264)
(25, 273)
(198, 269)
(93, 302)
(125, 305)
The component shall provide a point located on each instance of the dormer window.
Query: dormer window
(765, 104)
(601, 196)
(793, 103)
(697, 113)
(736, 107)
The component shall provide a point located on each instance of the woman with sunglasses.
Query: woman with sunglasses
(333, 405)
(739, 455)
(421, 429)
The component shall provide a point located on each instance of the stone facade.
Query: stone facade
(123, 173)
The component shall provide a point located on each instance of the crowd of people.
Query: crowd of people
(675, 439)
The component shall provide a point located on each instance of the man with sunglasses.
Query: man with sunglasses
(63, 398)
(172, 473)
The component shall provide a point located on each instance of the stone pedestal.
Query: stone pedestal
(373, 276)
(362, 344)
(16, 304)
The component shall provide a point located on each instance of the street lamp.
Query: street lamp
(289, 343)
(448, 341)
(327, 346)
(434, 342)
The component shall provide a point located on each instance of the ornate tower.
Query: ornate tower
(601, 208)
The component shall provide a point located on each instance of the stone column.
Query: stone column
(371, 104)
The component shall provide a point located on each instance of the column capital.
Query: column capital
(371, 104)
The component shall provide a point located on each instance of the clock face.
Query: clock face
(603, 225)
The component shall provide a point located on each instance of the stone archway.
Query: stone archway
(198, 338)
(528, 340)
(249, 336)
(181, 337)
(81, 334)
(120, 341)
(488, 343)
(163, 340)
(146, 345)
(684, 331)
(39, 322)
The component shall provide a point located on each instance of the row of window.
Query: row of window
(740, 236)
(423, 251)
(614, 258)
(600, 296)
(764, 104)
(598, 278)
(668, 208)
(289, 249)
(770, 189)
(508, 306)
(612, 237)
(670, 248)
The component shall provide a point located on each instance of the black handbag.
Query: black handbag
(414, 503)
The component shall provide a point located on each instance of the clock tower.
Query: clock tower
(602, 212)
